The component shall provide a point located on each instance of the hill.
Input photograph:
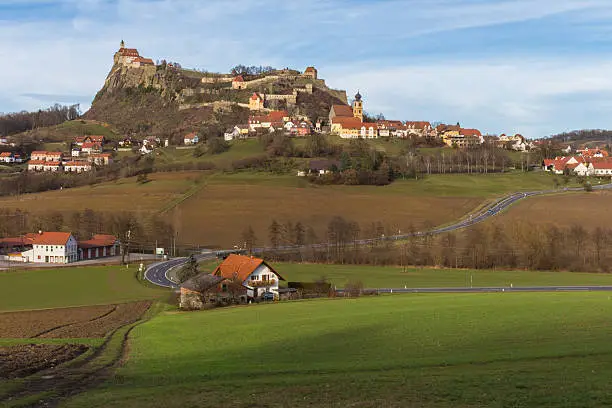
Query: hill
(165, 100)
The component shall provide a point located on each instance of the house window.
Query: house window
(264, 277)
(254, 277)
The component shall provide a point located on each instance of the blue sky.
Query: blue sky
(536, 67)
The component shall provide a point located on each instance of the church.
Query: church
(347, 121)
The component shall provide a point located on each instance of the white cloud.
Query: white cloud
(532, 97)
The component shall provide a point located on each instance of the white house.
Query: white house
(255, 274)
(602, 169)
(77, 167)
(584, 169)
(53, 247)
(146, 149)
(191, 139)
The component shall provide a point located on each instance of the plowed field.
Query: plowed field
(27, 359)
(75, 322)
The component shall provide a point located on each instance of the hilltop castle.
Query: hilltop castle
(129, 57)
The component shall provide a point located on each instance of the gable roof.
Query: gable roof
(343, 110)
(99, 240)
(202, 282)
(241, 267)
(238, 78)
(51, 238)
(6, 154)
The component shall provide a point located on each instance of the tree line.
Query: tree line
(18, 122)
(486, 246)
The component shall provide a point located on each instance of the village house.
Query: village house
(91, 148)
(76, 151)
(517, 142)
(321, 167)
(592, 153)
(191, 139)
(36, 165)
(560, 165)
(101, 159)
(142, 62)
(80, 140)
(255, 274)
(10, 158)
(46, 156)
(602, 168)
(420, 128)
(77, 166)
(52, 166)
(237, 132)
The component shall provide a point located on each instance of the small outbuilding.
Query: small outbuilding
(199, 291)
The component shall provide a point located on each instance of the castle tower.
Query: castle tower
(122, 44)
(358, 107)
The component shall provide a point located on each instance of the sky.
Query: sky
(535, 67)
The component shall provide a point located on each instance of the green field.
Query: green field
(66, 287)
(493, 350)
(395, 277)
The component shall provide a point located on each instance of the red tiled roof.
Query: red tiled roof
(347, 122)
(343, 111)
(5, 154)
(99, 240)
(418, 124)
(54, 154)
(276, 116)
(603, 165)
(52, 163)
(310, 69)
(146, 61)
(39, 153)
(91, 145)
(470, 132)
(129, 52)
(36, 162)
(255, 97)
(51, 238)
(239, 78)
(240, 266)
(190, 136)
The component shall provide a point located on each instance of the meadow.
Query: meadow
(66, 287)
(494, 350)
(398, 277)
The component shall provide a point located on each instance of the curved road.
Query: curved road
(157, 273)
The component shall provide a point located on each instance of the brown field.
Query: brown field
(23, 360)
(590, 210)
(124, 195)
(75, 322)
(218, 214)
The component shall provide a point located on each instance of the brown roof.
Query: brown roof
(129, 52)
(239, 78)
(51, 238)
(343, 110)
(348, 123)
(470, 132)
(310, 69)
(240, 267)
(418, 124)
(99, 240)
(202, 282)
(5, 154)
(37, 162)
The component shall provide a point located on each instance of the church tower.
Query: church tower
(358, 107)
(122, 45)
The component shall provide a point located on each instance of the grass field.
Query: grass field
(395, 277)
(494, 350)
(66, 287)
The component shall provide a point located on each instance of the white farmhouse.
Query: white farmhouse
(256, 276)
(53, 247)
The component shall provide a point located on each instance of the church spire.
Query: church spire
(122, 45)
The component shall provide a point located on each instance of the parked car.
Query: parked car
(267, 296)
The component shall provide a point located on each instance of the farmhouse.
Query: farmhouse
(53, 247)
(253, 273)
(200, 290)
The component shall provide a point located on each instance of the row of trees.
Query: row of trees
(489, 246)
(22, 121)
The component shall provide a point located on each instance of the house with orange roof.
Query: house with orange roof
(10, 158)
(91, 147)
(255, 274)
(191, 139)
(53, 247)
(77, 166)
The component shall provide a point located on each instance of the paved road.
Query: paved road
(157, 272)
